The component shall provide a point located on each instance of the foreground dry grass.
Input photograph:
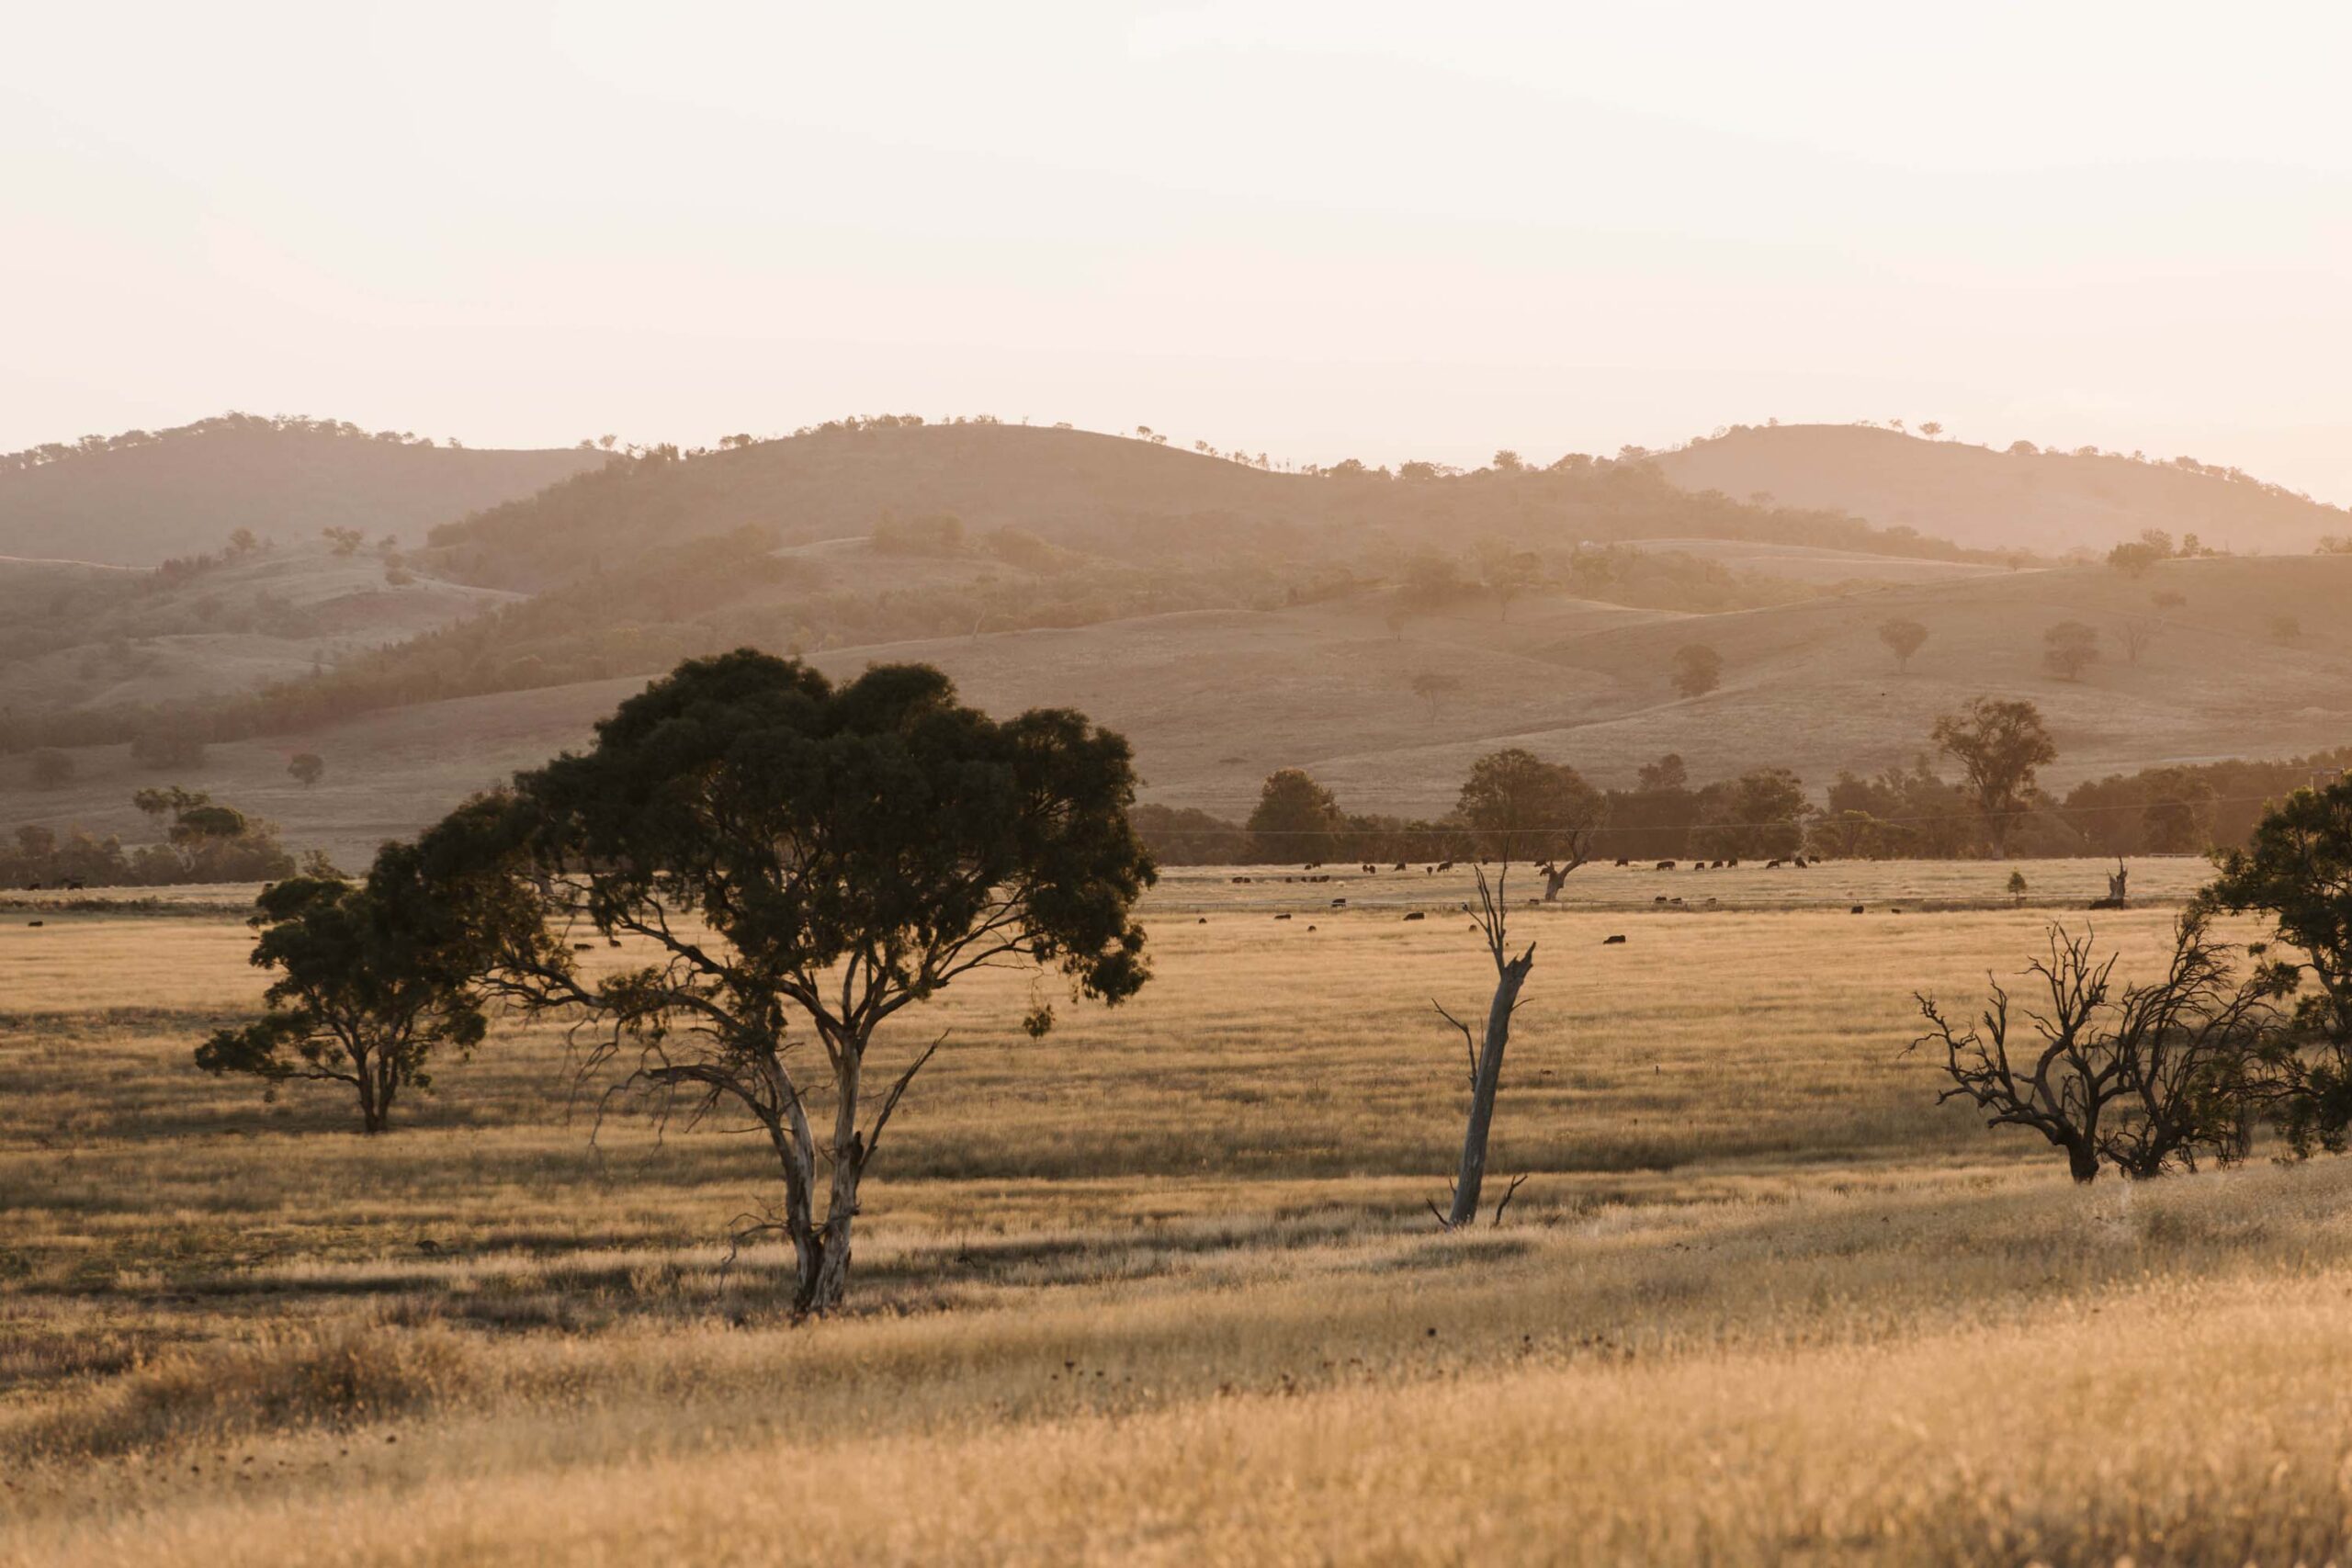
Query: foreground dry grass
(1162, 1288)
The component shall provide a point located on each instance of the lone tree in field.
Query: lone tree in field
(1698, 670)
(1485, 1053)
(1518, 807)
(50, 769)
(307, 768)
(2297, 872)
(1902, 639)
(2136, 636)
(1294, 818)
(2000, 746)
(2068, 649)
(801, 862)
(373, 978)
(2144, 1077)
(1434, 686)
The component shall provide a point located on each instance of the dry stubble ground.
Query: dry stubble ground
(1164, 1288)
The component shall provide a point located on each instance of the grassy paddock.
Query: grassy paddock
(1164, 1287)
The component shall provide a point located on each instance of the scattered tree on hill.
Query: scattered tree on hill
(1667, 773)
(1294, 818)
(344, 541)
(1518, 807)
(1430, 685)
(789, 852)
(373, 978)
(50, 768)
(2000, 746)
(1485, 1053)
(2168, 599)
(2297, 874)
(2068, 649)
(2285, 630)
(1903, 638)
(1698, 670)
(1931, 429)
(2143, 1077)
(307, 768)
(2136, 636)
(2134, 558)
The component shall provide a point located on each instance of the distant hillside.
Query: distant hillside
(2242, 658)
(142, 497)
(1126, 499)
(2022, 498)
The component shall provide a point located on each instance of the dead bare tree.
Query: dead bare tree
(2144, 1077)
(2069, 1079)
(1486, 1051)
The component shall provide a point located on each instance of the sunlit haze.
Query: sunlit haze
(1312, 229)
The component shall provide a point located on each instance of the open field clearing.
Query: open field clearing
(1163, 1287)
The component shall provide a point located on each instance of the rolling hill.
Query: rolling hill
(1214, 700)
(2018, 498)
(1123, 498)
(141, 498)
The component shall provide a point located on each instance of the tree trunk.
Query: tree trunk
(2082, 1161)
(1554, 880)
(824, 1260)
(824, 1264)
(1510, 977)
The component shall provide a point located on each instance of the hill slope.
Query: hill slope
(1214, 700)
(141, 498)
(2022, 499)
(1123, 498)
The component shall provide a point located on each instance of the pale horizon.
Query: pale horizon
(1315, 231)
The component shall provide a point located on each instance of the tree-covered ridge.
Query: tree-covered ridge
(1128, 498)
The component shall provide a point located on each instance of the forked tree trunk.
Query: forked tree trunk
(1510, 977)
(823, 1252)
(1554, 878)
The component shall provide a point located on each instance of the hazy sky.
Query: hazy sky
(1314, 230)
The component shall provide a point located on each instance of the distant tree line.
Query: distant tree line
(202, 841)
(1987, 805)
(50, 452)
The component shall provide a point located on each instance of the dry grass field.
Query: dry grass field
(1163, 1287)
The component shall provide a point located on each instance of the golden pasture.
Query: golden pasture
(1163, 1287)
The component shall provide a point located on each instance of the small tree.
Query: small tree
(2143, 1076)
(2286, 631)
(1432, 685)
(343, 541)
(2000, 746)
(373, 978)
(307, 768)
(1294, 816)
(50, 769)
(803, 862)
(2017, 888)
(2297, 872)
(2068, 649)
(1698, 670)
(2136, 636)
(2136, 558)
(1902, 639)
(1518, 807)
